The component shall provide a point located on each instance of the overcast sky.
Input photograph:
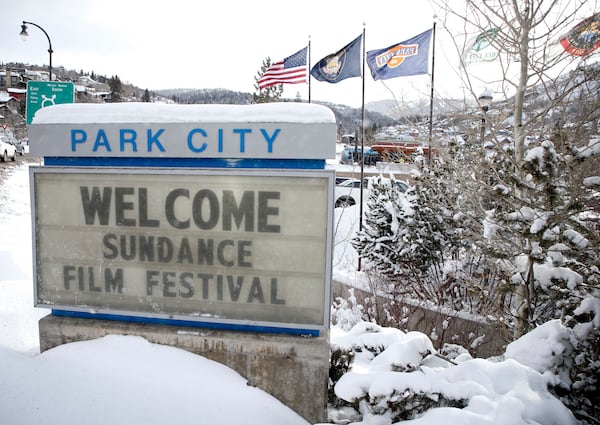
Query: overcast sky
(219, 44)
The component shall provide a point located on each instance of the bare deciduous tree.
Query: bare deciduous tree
(547, 95)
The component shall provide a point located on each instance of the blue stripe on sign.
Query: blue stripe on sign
(188, 323)
(296, 164)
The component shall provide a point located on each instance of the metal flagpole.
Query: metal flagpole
(309, 68)
(431, 97)
(362, 142)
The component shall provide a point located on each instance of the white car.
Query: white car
(7, 150)
(347, 193)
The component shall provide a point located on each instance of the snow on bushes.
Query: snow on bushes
(396, 376)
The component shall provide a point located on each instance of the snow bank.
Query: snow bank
(127, 380)
(137, 112)
(541, 348)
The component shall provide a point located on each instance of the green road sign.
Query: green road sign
(41, 94)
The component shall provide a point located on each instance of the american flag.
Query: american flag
(291, 70)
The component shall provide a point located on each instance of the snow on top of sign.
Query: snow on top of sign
(90, 113)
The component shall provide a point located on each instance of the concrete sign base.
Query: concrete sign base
(293, 369)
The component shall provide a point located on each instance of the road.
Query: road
(5, 167)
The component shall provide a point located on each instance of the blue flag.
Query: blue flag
(410, 57)
(345, 63)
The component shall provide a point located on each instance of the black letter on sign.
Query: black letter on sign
(213, 209)
(264, 211)
(111, 251)
(170, 208)
(151, 281)
(68, 276)
(245, 209)
(114, 281)
(274, 299)
(184, 279)
(256, 291)
(95, 204)
(235, 288)
(121, 206)
(143, 201)
(168, 283)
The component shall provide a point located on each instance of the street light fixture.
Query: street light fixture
(24, 36)
(485, 100)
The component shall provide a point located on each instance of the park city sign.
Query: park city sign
(297, 131)
(180, 231)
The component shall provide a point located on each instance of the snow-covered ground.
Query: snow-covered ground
(127, 380)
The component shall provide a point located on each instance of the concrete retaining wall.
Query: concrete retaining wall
(481, 338)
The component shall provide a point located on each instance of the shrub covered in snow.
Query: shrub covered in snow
(395, 376)
(515, 242)
(569, 352)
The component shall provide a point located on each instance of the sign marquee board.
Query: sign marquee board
(244, 247)
(227, 246)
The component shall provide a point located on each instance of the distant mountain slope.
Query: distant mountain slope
(348, 118)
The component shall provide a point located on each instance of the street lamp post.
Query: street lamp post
(485, 100)
(24, 36)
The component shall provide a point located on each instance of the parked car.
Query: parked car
(352, 154)
(19, 145)
(339, 179)
(347, 193)
(7, 150)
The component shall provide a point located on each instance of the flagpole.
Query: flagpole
(362, 141)
(431, 97)
(309, 68)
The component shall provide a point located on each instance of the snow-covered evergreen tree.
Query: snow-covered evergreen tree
(377, 242)
(537, 227)
(417, 238)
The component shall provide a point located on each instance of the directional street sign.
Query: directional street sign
(41, 94)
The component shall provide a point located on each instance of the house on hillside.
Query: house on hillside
(17, 93)
(5, 97)
(31, 75)
(18, 78)
(9, 78)
(9, 115)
